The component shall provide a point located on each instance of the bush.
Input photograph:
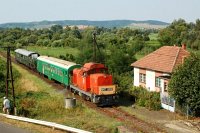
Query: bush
(26, 107)
(184, 84)
(27, 103)
(57, 43)
(67, 57)
(144, 98)
(124, 81)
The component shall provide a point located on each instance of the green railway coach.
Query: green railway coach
(56, 69)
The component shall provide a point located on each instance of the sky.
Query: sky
(38, 10)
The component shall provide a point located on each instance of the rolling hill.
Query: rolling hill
(106, 23)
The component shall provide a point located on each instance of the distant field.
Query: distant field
(153, 43)
(146, 26)
(153, 40)
(54, 51)
(150, 46)
(153, 36)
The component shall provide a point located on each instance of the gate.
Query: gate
(167, 102)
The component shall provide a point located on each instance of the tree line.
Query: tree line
(180, 32)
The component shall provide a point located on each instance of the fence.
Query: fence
(167, 102)
(45, 123)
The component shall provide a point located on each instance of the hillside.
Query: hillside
(107, 23)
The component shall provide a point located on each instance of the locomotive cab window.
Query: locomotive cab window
(104, 71)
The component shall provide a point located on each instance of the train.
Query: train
(91, 81)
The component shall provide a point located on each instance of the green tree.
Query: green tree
(119, 61)
(173, 34)
(56, 28)
(184, 85)
(76, 33)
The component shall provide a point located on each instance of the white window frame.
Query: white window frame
(158, 82)
(142, 78)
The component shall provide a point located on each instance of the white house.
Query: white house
(154, 70)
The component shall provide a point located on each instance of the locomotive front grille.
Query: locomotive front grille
(107, 90)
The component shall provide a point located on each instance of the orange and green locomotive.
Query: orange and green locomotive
(91, 81)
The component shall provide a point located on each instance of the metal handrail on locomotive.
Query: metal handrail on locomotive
(91, 81)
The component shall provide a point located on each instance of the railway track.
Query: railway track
(131, 122)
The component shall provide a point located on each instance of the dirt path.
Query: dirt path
(170, 122)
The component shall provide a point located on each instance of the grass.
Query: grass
(138, 56)
(54, 51)
(153, 43)
(153, 36)
(41, 101)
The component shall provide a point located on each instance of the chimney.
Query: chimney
(184, 46)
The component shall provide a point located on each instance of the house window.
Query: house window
(165, 87)
(158, 82)
(142, 78)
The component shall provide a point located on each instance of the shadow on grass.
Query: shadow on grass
(125, 99)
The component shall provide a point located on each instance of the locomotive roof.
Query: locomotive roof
(57, 62)
(93, 65)
(25, 52)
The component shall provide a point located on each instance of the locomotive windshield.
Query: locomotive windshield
(98, 70)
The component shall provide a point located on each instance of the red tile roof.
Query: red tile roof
(164, 59)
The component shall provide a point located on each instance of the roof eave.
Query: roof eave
(169, 72)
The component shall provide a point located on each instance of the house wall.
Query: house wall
(162, 85)
(136, 76)
(150, 80)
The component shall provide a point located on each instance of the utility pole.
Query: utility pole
(94, 47)
(9, 76)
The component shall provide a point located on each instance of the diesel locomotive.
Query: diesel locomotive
(91, 81)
